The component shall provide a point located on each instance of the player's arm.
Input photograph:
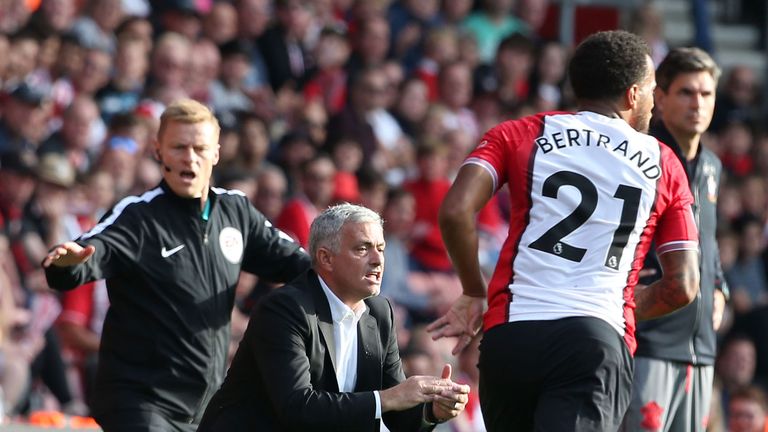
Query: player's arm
(471, 190)
(677, 287)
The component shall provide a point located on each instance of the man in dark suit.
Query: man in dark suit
(321, 353)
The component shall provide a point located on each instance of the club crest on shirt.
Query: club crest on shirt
(711, 189)
(231, 244)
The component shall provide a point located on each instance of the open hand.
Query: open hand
(463, 320)
(68, 254)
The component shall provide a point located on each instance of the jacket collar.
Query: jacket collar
(191, 203)
(661, 133)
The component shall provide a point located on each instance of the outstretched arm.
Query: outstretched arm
(471, 190)
(677, 287)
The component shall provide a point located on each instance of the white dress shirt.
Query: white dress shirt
(345, 342)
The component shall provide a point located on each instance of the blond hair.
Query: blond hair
(187, 111)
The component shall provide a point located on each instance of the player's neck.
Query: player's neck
(602, 108)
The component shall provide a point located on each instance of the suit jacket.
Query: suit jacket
(283, 374)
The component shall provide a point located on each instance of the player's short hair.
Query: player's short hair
(607, 63)
(685, 60)
(326, 228)
(187, 111)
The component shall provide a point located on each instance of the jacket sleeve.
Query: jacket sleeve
(281, 343)
(412, 419)
(720, 282)
(270, 253)
(117, 239)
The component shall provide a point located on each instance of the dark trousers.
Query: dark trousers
(571, 374)
(138, 420)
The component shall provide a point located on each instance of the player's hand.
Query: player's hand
(718, 309)
(463, 320)
(68, 254)
(451, 402)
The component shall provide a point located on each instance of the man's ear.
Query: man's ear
(216, 154)
(324, 258)
(632, 95)
(156, 144)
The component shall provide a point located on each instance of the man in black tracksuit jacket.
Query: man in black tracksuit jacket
(676, 353)
(171, 261)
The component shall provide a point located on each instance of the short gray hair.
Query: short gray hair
(326, 228)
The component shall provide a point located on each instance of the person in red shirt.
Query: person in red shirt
(317, 186)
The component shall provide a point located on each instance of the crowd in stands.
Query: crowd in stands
(374, 102)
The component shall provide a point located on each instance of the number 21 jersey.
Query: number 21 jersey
(588, 195)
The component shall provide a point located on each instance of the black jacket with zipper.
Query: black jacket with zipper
(687, 335)
(171, 278)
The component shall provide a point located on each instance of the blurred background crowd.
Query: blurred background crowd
(320, 101)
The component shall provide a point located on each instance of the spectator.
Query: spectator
(491, 24)
(441, 47)
(107, 14)
(24, 115)
(293, 151)
(365, 97)
(371, 43)
(182, 17)
(348, 158)
(327, 82)
(738, 101)
(22, 57)
(15, 369)
(748, 411)
(509, 76)
(55, 16)
(747, 277)
(547, 85)
(283, 44)
(271, 192)
(228, 94)
(735, 366)
(220, 24)
(94, 73)
(736, 142)
(373, 189)
(647, 22)
(533, 13)
(429, 188)
(253, 17)
(453, 12)
(254, 143)
(410, 21)
(79, 131)
(136, 27)
(412, 106)
(203, 71)
(169, 62)
(123, 91)
(455, 83)
(316, 193)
